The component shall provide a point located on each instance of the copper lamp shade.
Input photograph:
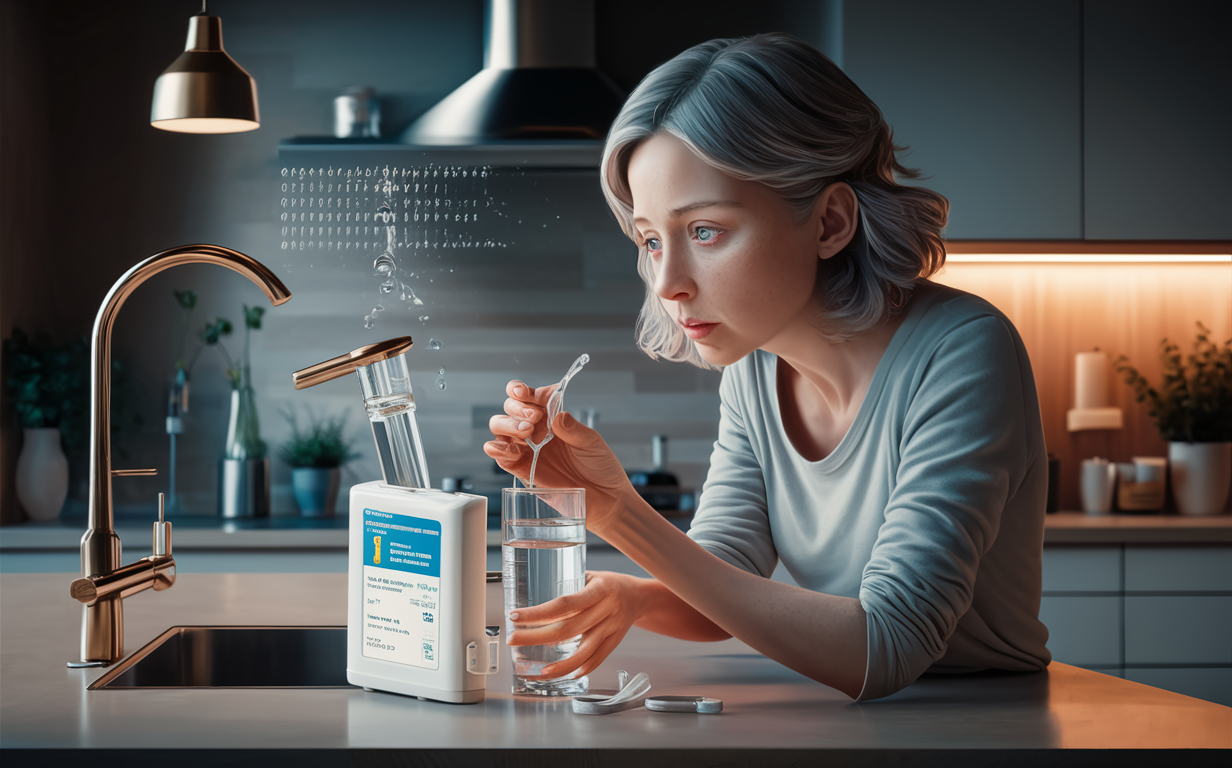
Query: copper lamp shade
(204, 90)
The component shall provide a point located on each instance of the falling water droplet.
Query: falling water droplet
(387, 286)
(441, 384)
(418, 302)
(434, 344)
(423, 318)
(367, 321)
(441, 371)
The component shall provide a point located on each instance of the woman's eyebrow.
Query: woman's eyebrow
(682, 210)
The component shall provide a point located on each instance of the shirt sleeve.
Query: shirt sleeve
(731, 520)
(963, 454)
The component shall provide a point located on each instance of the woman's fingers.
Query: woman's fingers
(559, 631)
(523, 411)
(508, 455)
(562, 607)
(508, 426)
(592, 652)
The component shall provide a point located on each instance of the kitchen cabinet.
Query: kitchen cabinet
(1153, 614)
(1157, 117)
(1057, 120)
(988, 97)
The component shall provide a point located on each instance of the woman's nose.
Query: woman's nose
(672, 279)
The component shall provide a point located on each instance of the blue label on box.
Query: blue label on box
(402, 543)
(402, 588)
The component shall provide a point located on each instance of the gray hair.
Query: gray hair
(773, 109)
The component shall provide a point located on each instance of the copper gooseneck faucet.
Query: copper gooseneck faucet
(104, 583)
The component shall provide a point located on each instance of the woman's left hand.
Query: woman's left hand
(601, 612)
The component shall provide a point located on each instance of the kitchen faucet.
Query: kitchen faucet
(104, 583)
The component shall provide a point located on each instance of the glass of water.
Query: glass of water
(543, 545)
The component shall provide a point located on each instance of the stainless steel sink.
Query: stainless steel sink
(235, 657)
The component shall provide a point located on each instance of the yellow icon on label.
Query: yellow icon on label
(376, 556)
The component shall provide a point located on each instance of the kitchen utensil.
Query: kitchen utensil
(555, 403)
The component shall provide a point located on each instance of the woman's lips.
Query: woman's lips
(698, 330)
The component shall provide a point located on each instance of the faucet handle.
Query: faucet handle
(133, 472)
(162, 532)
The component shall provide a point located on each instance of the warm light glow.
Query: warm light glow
(206, 125)
(1089, 258)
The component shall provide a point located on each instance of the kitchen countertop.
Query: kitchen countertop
(212, 533)
(771, 714)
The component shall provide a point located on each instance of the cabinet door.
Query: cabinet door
(1157, 120)
(1178, 629)
(1083, 631)
(987, 95)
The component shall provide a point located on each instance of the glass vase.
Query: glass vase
(244, 429)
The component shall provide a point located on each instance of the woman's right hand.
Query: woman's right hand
(601, 613)
(577, 457)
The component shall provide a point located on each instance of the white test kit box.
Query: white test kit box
(416, 593)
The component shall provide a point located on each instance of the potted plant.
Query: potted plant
(1193, 410)
(50, 390)
(316, 454)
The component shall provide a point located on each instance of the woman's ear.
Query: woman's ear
(836, 215)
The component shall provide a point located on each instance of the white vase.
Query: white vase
(42, 473)
(1201, 476)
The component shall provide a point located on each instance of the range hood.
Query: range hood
(538, 85)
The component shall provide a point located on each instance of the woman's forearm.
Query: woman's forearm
(662, 611)
(821, 636)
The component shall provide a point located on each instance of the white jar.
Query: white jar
(1201, 476)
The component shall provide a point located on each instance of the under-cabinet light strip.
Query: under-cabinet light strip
(1088, 258)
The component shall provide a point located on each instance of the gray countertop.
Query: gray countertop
(43, 705)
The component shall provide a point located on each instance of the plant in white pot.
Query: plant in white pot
(50, 390)
(1193, 410)
(316, 454)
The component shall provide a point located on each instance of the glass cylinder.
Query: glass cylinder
(543, 549)
(386, 388)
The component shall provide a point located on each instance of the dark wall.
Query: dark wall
(89, 188)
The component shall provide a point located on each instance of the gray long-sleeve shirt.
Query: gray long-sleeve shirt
(930, 510)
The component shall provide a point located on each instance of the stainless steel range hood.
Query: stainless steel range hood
(539, 83)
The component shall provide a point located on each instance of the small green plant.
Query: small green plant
(211, 335)
(1194, 402)
(320, 444)
(49, 385)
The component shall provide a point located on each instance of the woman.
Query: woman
(879, 434)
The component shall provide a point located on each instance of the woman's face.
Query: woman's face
(733, 266)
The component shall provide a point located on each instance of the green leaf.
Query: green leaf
(186, 299)
(216, 330)
(252, 317)
(1194, 399)
(321, 444)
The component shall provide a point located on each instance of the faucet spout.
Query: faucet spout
(102, 638)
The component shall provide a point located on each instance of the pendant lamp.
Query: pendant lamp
(204, 90)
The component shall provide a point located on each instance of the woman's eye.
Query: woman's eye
(653, 244)
(705, 234)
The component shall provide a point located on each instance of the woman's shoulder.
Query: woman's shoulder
(944, 311)
(946, 303)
